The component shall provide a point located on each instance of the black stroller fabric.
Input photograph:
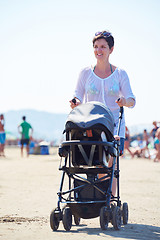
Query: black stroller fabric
(93, 116)
(89, 192)
(87, 115)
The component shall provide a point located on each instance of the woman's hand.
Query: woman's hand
(121, 101)
(117, 137)
(74, 102)
(129, 102)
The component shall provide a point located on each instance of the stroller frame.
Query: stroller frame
(85, 192)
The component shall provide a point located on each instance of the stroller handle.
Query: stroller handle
(120, 118)
(121, 112)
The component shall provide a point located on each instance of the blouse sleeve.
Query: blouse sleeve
(80, 87)
(125, 86)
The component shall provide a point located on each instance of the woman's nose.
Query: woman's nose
(99, 49)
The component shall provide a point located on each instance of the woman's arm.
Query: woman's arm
(129, 102)
(128, 98)
(80, 88)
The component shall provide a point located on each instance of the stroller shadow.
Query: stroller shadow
(129, 231)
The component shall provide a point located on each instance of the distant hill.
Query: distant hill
(46, 125)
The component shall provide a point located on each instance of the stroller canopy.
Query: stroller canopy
(89, 114)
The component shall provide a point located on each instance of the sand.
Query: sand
(28, 193)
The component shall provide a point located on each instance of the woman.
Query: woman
(105, 83)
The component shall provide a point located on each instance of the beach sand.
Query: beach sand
(28, 193)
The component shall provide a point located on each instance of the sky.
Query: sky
(44, 44)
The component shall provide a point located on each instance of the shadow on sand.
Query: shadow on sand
(129, 231)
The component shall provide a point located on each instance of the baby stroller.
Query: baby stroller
(86, 183)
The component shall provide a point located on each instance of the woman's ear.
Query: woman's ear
(111, 50)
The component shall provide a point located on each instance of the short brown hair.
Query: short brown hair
(104, 35)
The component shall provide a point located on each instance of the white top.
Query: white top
(90, 87)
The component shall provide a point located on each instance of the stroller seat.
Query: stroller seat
(88, 123)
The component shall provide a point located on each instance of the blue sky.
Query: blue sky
(45, 44)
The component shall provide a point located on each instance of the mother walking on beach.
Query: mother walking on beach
(105, 83)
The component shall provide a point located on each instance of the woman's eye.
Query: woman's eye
(102, 47)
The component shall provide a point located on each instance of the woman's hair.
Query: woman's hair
(104, 35)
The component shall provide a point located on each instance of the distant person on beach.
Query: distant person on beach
(146, 143)
(157, 145)
(2, 136)
(105, 83)
(154, 129)
(127, 141)
(138, 151)
(24, 129)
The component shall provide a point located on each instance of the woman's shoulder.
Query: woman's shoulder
(86, 71)
(121, 71)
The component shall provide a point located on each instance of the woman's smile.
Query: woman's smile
(101, 48)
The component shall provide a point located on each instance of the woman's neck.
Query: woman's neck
(103, 70)
(103, 66)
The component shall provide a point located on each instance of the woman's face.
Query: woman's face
(101, 49)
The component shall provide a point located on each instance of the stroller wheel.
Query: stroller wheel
(54, 220)
(125, 213)
(116, 219)
(77, 220)
(67, 219)
(113, 205)
(104, 218)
